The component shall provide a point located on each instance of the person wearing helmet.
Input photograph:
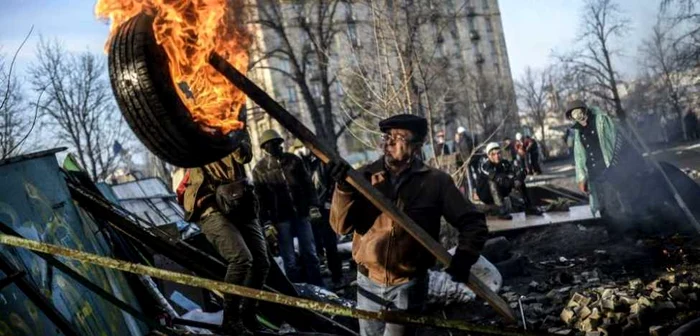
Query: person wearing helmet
(220, 199)
(497, 179)
(392, 265)
(287, 201)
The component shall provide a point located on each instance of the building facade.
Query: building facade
(343, 65)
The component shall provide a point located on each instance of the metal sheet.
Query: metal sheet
(36, 203)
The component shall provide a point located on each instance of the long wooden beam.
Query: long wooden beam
(301, 132)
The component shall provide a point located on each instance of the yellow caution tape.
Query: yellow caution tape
(194, 281)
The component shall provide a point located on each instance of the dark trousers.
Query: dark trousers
(327, 241)
(243, 247)
(492, 193)
(535, 163)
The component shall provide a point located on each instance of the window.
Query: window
(489, 27)
(284, 65)
(471, 23)
(453, 29)
(494, 48)
(291, 94)
(352, 33)
(485, 4)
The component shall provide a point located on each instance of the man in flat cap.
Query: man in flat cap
(392, 266)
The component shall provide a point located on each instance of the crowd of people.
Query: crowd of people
(295, 195)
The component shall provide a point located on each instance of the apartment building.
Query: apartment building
(362, 60)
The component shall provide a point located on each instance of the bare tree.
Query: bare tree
(78, 106)
(12, 108)
(684, 17)
(534, 90)
(663, 59)
(307, 64)
(602, 23)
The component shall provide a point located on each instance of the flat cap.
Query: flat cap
(574, 104)
(417, 125)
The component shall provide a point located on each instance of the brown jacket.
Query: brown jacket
(425, 194)
(200, 189)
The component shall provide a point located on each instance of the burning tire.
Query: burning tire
(143, 87)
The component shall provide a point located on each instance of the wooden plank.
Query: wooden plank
(288, 121)
(579, 213)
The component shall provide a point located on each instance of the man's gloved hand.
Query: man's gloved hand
(314, 213)
(338, 169)
(461, 265)
(243, 154)
(270, 231)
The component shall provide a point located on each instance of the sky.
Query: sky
(533, 28)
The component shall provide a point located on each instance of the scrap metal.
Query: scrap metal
(189, 280)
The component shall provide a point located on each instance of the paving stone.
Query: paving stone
(567, 315)
(655, 330)
(676, 293)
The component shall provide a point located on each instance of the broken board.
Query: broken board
(579, 213)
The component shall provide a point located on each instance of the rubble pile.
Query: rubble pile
(594, 307)
(628, 308)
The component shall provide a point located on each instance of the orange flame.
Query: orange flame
(189, 30)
